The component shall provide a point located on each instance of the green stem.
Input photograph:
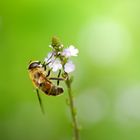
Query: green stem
(72, 109)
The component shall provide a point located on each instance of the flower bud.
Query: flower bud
(56, 44)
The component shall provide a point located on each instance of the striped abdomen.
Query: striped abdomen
(41, 81)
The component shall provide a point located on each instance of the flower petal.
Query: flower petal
(50, 57)
(66, 53)
(69, 67)
(71, 51)
(55, 65)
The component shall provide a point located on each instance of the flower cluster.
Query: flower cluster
(59, 58)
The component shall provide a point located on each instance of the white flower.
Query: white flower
(71, 51)
(55, 65)
(69, 67)
(50, 57)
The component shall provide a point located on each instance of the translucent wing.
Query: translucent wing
(40, 101)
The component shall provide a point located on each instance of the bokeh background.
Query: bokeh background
(106, 81)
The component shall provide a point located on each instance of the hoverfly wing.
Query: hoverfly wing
(40, 101)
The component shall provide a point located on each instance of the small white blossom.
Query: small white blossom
(55, 65)
(50, 57)
(71, 51)
(69, 67)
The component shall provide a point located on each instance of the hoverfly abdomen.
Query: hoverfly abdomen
(54, 91)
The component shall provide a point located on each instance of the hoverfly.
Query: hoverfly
(41, 80)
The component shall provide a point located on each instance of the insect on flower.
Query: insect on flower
(41, 80)
(57, 60)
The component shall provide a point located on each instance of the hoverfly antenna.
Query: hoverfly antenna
(30, 61)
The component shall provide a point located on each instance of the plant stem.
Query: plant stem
(73, 111)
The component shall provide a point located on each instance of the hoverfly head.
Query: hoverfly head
(34, 64)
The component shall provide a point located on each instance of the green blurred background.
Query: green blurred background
(107, 77)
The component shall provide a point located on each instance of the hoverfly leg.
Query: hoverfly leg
(49, 71)
(40, 101)
(55, 78)
(58, 77)
(50, 58)
(44, 66)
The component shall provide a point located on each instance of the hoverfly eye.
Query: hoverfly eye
(34, 64)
